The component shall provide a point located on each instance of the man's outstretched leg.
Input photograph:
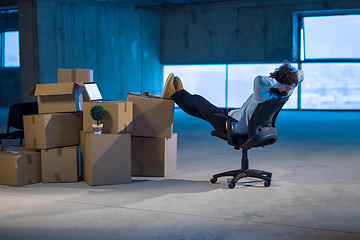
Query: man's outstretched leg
(194, 105)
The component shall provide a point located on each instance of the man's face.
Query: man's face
(284, 89)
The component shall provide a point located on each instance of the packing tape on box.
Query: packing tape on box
(29, 159)
(142, 141)
(125, 107)
(57, 177)
(59, 152)
(73, 74)
(34, 143)
(33, 119)
(141, 170)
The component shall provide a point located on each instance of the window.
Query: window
(9, 38)
(330, 57)
(331, 86)
(205, 80)
(224, 85)
(10, 51)
(332, 37)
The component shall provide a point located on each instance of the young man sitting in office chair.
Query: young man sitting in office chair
(280, 83)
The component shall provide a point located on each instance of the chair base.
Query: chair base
(243, 173)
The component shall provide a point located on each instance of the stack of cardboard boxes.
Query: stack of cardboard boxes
(107, 156)
(52, 137)
(136, 140)
(153, 143)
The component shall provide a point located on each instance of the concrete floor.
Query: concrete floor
(314, 193)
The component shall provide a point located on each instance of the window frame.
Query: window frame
(299, 44)
(7, 12)
(2, 47)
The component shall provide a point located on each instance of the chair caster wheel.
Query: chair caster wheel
(267, 184)
(213, 180)
(231, 185)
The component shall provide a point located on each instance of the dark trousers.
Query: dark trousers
(199, 107)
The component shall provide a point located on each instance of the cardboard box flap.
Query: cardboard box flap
(145, 94)
(32, 92)
(52, 89)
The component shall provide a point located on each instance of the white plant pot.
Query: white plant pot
(97, 128)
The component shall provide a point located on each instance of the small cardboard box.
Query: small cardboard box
(20, 168)
(74, 75)
(58, 97)
(60, 164)
(44, 131)
(153, 157)
(117, 119)
(107, 159)
(153, 116)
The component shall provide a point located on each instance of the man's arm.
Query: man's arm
(262, 84)
(300, 74)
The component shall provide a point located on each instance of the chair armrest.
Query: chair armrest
(226, 116)
(229, 121)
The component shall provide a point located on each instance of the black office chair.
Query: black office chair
(15, 120)
(261, 132)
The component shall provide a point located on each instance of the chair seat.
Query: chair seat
(237, 140)
(12, 135)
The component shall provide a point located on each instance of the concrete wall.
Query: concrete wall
(120, 43)
(9, 87)
(243, 31)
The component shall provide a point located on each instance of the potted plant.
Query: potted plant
(97, 113)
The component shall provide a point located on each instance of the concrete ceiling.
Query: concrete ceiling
(149, 3)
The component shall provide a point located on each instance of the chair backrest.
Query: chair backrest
(17, 111)
(265, 115)
(261, 127)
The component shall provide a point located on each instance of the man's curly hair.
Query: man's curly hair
(286, 74)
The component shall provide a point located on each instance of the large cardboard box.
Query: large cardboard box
(18, 169)
(107, 159)
(118, 117)
(153, 116)
(153, 157)
(74, 75)
(58, 97)
(44, 131)
(60, 164)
